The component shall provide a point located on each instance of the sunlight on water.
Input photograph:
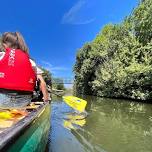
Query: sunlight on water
(111, 126)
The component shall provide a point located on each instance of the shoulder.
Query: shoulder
(33, 63)
(38, 70)
(2, 55)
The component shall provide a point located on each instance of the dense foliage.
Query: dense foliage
(118, 62)
(47, 76)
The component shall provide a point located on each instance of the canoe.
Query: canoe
(75, 102)
(25, 130)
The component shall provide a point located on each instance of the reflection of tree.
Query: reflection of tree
(86, 140)
(115, 122)
(122, 109)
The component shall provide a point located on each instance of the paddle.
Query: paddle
(5, 115)
(76, 103)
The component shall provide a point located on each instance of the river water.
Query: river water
(110, 126)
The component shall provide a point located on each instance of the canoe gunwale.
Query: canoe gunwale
(11, 133)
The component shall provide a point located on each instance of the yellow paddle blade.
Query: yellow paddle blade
(13, 114)
(5, 115)
(75, 103)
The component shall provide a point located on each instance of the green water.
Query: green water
(111, 126)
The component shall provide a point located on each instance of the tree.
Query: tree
(118, 62)
(47, 76)
(142, 21)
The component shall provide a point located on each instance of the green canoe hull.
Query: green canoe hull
(34, 137)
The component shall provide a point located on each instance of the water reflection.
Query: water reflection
(74, 121)
(111, 126)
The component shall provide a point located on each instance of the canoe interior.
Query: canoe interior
(28, 133)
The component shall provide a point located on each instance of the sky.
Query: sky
(55, 29)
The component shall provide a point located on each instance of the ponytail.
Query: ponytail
(15, 40)
(21, 42)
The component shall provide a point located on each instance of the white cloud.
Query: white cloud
(53, 69)
(84, 22)
(73, 15)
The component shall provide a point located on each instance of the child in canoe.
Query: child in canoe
(17, 76)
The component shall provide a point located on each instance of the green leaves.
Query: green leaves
(47, 76)
(118, 62)
(142, 21)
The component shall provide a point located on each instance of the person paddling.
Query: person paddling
(17, 77)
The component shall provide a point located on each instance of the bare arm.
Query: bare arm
(43, 87)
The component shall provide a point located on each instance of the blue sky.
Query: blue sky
(55, 30)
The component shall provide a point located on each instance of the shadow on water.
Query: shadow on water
(111, 126)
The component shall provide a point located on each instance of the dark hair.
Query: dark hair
(14, 40)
